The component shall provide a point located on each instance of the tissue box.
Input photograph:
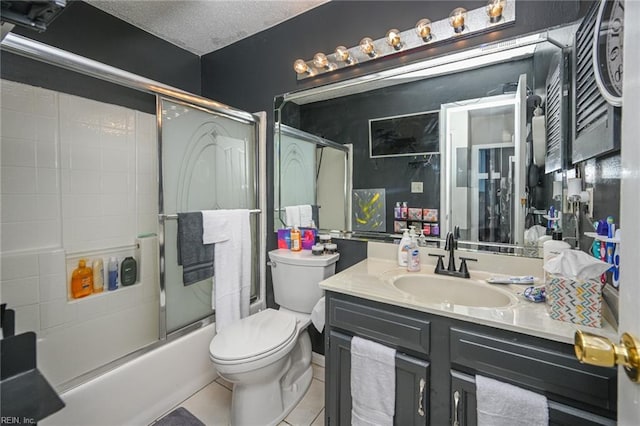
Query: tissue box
(579, 302)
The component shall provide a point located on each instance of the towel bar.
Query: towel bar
(175, 216)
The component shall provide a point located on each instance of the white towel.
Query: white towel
(306, 215)
(373, 383)
(502, 404)
(317, 315)
(292, 216)
(231, 233)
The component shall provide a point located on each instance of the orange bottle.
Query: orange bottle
(296, 243)
(81, 280)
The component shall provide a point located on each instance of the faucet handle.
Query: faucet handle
(440, 264)
(463, 266)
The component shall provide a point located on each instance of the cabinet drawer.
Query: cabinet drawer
(542, 369)
(398, 330)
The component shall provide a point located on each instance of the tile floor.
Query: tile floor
(212, 403)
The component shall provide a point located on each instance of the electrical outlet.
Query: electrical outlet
(417, 187)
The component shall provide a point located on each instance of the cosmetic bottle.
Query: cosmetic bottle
(98, 276)
(81, 280)
(113, 274)
(296, 244)
(128, 271)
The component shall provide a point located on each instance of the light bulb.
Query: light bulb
(320, 60)
(342, 54)
(393, 38)
(367, 47)
(300, 66)
(423, 28)
(457, 18)
(494, 10)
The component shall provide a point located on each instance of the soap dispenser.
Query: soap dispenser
(413, 253)
(403, 248)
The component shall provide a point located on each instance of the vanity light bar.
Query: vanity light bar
(459, 24)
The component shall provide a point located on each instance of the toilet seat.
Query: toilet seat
(255, 337)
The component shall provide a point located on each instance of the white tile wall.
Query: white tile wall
(75, 175)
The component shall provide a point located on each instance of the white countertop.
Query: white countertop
(371, 279)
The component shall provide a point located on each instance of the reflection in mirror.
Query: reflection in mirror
(491, 182)
(313, 178)
(484, 195)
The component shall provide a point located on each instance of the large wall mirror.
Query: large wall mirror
(448, 142)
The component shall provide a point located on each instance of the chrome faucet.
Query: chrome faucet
(451, 244)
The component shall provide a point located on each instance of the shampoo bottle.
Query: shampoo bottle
(81, 280)
(128, 271)
(98, 276)
(113, 274)
(403, 248)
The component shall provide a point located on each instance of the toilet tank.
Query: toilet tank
(296, 276)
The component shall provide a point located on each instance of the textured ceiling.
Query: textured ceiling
(202, 26)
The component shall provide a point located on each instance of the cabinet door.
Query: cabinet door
(463, 389)
(412, 385)
(463, 400)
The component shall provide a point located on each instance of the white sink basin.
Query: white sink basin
(434, 289)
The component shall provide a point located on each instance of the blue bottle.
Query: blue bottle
(113, 274)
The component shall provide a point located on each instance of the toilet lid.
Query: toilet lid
(254, 335)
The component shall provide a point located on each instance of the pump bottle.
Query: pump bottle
(403, 248)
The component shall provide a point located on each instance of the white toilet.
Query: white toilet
(267, 356)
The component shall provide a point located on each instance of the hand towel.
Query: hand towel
(232, 281)
(502, 404)
(373, 383)
(195, 257)
(292, 216)
(317, 315)
(306, 216)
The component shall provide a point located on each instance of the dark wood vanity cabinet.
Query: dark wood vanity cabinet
(437, 359)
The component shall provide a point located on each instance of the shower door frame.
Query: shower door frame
(28, 48)
(259, 188)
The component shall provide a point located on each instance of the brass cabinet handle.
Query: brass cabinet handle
(421, 397)
(597, 350)
(456, 401)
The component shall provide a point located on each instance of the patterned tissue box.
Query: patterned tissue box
(415, 213)
(430, 215)
(579, 302)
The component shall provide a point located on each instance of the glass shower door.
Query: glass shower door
(208, 162)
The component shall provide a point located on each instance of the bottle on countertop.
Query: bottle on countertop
(113, 274)
(403, 248)
(128, 271)
(413, 253)
(81, 280)
(98, 276)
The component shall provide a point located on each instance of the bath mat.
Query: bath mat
(179, 417)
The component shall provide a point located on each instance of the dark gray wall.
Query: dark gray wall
(87, 31)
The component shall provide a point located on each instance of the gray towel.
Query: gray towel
(196, 258)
